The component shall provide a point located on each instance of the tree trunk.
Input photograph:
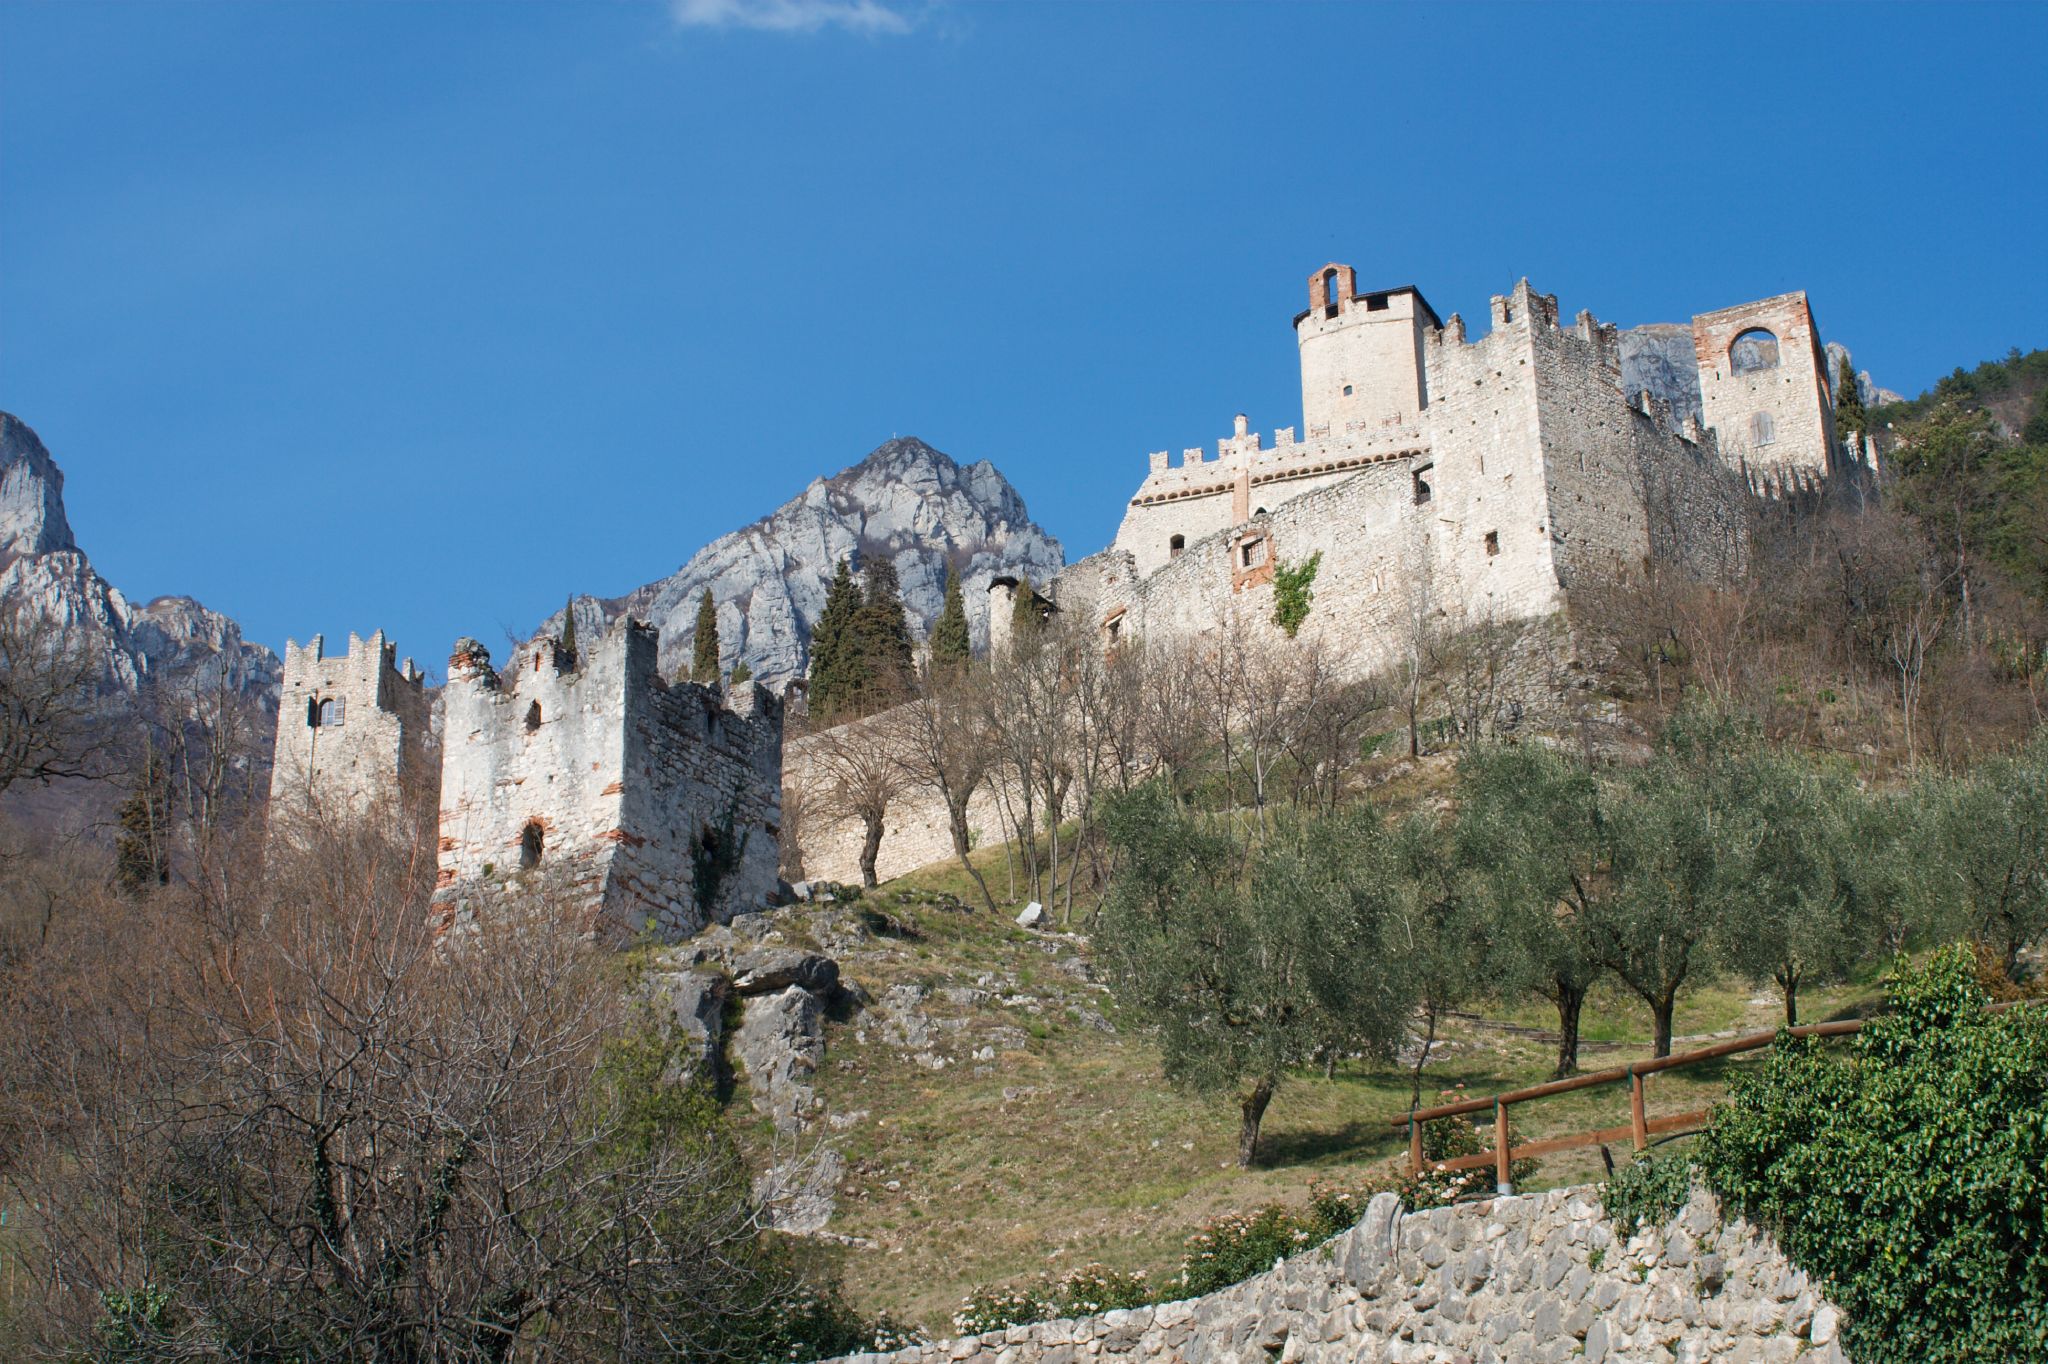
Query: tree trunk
(1253, 1111)
(956, 820)
(870, 848)
(1661, 1010)
(1428, 1041)
(1571, 999)
(1789, 983)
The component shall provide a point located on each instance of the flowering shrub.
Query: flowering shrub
(992, 1309)
(1240, 1245)
(1078, 1293)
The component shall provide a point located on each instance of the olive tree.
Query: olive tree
(1250, 960)
(1533, 826)
(1991, 846)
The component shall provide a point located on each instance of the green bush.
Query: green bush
(1648, 1190)
(1233, 1248)
(1908, 1170)
(1078, 1293)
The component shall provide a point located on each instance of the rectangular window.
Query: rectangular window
(1421, 477)
(1376, 303)
(1492, 542)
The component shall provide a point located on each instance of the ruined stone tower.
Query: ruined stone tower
(649, 808)
(1764, 388)
(352, 730)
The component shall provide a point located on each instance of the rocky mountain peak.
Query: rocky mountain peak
(905, 501)
(32, 517)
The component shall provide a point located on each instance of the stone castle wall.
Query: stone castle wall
(915, 831)
(1542, 1279)
(352, 729)
(617, 787)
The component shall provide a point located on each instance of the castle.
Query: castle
(1464, 479)
(640, 806)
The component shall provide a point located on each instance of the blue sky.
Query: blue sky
(422, 316)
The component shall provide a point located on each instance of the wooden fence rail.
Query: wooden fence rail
(1641, 1127)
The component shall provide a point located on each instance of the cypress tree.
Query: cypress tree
(836, 662)
(1025, 617)
(569, 630)
(1849, 413)
(704, 656)
(141, 850)
(952, 646)
(883, 629)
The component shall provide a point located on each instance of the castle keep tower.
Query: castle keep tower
(656, 808)
(1362, 365)
(1764, 387)
(351, 729)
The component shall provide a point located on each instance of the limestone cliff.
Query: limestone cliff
(42, 569)
(905, 501)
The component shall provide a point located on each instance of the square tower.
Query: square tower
(352, 731)
(1764, 385)
(655, 808)
(1362, 358)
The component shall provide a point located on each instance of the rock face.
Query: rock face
(781, 1039)
(1543, 1278)
(1872, 395)
(1659, 357)
(905, 502)
(41, 568)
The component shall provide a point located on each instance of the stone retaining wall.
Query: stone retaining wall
(1542, 1278)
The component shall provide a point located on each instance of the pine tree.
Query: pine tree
(569, 630)
(884, 632)
(836, 662)
(704, 656)
(952, 646)
(141, 850)
(1849, 413)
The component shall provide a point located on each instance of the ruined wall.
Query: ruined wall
(627, 795)
(351, 729)
(1770, 416)
(1542, 1279)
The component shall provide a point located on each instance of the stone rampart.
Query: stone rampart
(352, 729)
(1543, 1279)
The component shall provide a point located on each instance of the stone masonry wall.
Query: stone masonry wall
(381, 743)
(1794, 393)
(1541, 1279)
(609, 782)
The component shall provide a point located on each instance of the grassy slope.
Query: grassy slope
(1065, 1146)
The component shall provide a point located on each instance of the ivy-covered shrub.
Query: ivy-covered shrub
(1292, 593)
(1648, 1191)
(1908, 1169)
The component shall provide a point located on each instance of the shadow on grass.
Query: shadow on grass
(1360, 1139)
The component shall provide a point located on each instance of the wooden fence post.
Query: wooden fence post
(1637, 1118)
(1502, 1184)
(1414, 1147)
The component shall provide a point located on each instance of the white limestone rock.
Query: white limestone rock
(781, 1040)
(905, 501)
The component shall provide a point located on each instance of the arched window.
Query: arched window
(533, 717)
(1175, 545)
(333, 711)
(1762, 429)
(531, 840)
(1754, 350)
(1329, 293)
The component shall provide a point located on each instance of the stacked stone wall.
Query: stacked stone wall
(1543, 1279)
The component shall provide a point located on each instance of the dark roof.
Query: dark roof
(1397, 289)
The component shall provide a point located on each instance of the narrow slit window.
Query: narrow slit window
(1492, 543)
(532, 842)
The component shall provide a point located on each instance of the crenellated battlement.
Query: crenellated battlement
(351, 729)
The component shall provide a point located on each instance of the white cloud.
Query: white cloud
(792, 16)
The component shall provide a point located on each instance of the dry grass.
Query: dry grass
(1067, 1147)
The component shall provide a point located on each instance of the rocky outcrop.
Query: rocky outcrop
(780, 1041)
(1872, 395)
(43, 570)
(905, 502)
(1659, 358)
(1544, 1279)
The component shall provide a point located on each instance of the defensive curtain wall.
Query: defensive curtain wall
(1542, 1279)
(649, 807)
(654, 806)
